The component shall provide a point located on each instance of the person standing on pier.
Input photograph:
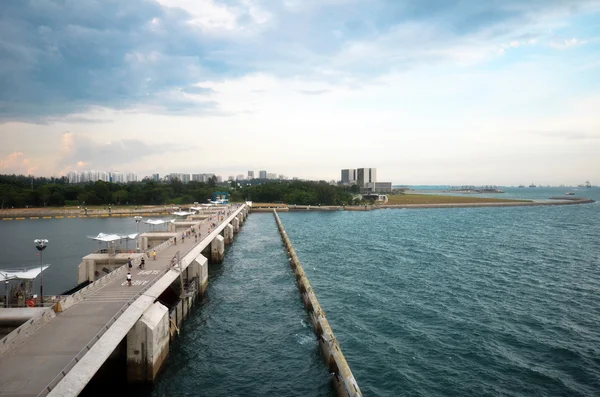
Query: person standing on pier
(129, 278)
(154, 254)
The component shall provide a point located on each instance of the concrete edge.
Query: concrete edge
(18, 336)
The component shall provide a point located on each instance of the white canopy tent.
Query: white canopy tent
(21, 274)
(109, 238)
(156, 222)
(184, 213)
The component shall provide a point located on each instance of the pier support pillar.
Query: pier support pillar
(240, 219)
(87, 269)
(235, 222)
(228, 234)
(148, 344)
(201, 263)
(217, 249)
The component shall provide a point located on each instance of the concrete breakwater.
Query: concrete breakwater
(343, 379)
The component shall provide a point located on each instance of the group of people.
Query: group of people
(192, 231)
(141, 266)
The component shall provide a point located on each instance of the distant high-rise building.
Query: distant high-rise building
(282, 177)
(131, 177)
(366, 175)
(262, 174)
(185, 178)
(240, 177)
(197, 178)
(250, 174)
(348, 176)
(230, 178)
(219, 179)
(156, 177)
(73, 177)
(271, 175)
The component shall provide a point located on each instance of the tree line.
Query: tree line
(20, 191)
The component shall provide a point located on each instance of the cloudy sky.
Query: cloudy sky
(428, 92)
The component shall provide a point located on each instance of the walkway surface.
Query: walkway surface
(28, 369)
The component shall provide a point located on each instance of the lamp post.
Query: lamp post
(41, 245)
(137, 223)
(6, 292)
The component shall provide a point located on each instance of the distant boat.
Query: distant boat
(521, 185)
(570, 193)
(532, 185)
(588, 184)
(489, 189)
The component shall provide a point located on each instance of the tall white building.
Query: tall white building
(117, 177)
(73, 177)
(131, 177)
(271, 175)
(366, 176)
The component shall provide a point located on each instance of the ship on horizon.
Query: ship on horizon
(532, 185)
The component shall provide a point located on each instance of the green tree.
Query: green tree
(120, 196)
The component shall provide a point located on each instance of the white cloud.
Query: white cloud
(567, 43)
(215, 18)
(17, 163)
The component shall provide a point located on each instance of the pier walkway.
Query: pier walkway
(28, 369)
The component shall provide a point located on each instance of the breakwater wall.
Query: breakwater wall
(343, 379)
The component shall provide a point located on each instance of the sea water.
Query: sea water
(428, 302)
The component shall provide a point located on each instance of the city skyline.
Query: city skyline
(457, 93)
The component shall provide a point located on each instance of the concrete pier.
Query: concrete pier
(228, 234)
(150, 240)
(148, 344)
(198, 270)
(64, 348)
(236, 225)
(217, 249)
(343, 379)
(96, 265)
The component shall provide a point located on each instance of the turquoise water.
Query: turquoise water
(462, 301)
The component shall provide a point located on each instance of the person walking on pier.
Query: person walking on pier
(154, 254)
(129, 264)
(142, 263)
(129, 278)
